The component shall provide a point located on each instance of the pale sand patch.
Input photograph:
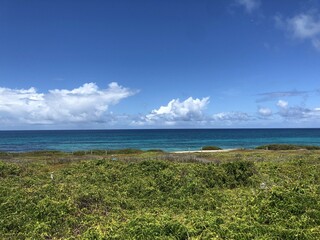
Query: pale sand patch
(207, 151)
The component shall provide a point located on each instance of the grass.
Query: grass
(154, 195)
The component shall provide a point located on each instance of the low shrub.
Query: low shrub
(9, 169)
(239, 173)
(211, 148)
(125, 151)
(44, 153)
(107, 152)
(155, 150)
(162, 196)
(287, 147)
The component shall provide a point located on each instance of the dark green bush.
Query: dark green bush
(287, 147)
(239, 172)
(211, 148)
(125, 151)
(153, 166)
(79, 153)
(108, 152)
(44, 153)
(166, 229)
(155, 150)
(9, 169)
(213, 176)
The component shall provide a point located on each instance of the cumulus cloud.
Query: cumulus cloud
(265, 112)
(190, 112)
(304, 26)
(84, 104)
(175, 111)
(282, 104)
(249, 5)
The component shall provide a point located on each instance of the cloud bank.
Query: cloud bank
(88, 106)
(297, 113)
(87, 103)
(190, 112)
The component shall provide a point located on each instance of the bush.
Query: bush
(155, 150)
(9, 169)
(105, 152)
(211, 148)
(125, 151)
(44, 153)
(287, 147)
(154, 196)
(239, 172)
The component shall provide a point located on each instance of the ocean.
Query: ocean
(165, 139)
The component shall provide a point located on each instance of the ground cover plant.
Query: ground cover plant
(245, 194)
(287, 147)
(211, 148)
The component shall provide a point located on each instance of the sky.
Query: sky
(122, 64)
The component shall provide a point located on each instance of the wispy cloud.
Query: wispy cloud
(87, 103)
(231, 116)
(297, 113)
(304, 26)
(249, 5)
(269, 96)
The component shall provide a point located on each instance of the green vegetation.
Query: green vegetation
(287, 147)
(105, 152)
(211, 148)
(154, 195)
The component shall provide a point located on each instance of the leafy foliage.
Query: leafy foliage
(287, 147)
(106, 152)
(235, 195)
(211, 148)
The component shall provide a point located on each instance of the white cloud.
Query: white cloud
(87, 103)
(265, 112)
(304, 26)
(282, 104)
(190, 112)
(249, 5)
(300, 113)
(175, 111)
(231, 116)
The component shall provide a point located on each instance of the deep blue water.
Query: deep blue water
(165, 139)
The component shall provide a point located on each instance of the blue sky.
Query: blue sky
(159, 64)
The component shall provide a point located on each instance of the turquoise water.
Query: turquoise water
(165, 139)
